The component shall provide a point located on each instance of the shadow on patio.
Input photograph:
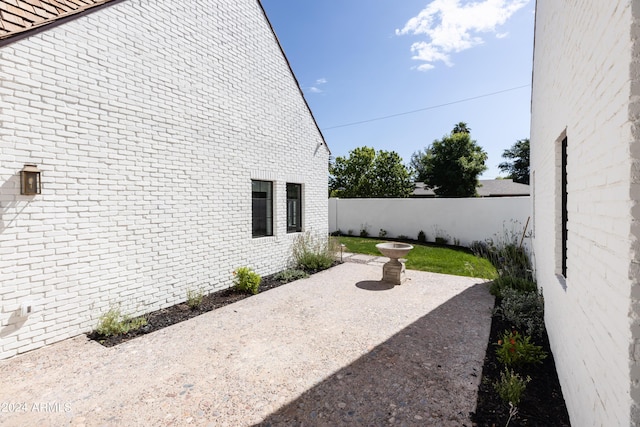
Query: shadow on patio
(426, 374)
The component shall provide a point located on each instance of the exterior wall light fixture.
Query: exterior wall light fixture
(30, 180)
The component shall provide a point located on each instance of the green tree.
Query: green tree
(451, 166)
(366, 173)
(461, 127)
(518, 166)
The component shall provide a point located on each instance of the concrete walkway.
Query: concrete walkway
(364, 259)
(338, 348)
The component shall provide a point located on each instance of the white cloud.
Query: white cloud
(501, 35)
(453, 27)
(319, 82)
(425, 67)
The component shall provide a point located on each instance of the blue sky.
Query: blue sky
(358, 60)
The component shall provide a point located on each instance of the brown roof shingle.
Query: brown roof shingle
(17, 16)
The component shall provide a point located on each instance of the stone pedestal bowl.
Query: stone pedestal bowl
(394, 271)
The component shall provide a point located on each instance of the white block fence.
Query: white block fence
(463, 220)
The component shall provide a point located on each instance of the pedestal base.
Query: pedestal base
(394, 272)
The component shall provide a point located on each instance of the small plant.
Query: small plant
(349, 232)
(336, 233)
(506, 253)
(510, 388)
(382, 233)
(313, 254)
(441, 240)
(403, 237)
(517, 350)
(194, 298)
(290, 274)
(479, 248)
(456, 241)
(364, 232)
(422, 238)
(246, 280)
(524, 310)
(114, 323)
(511, 282)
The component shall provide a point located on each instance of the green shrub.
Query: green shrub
(511, 386)
(441, 236)
(291, 274)
(313, 254)
(511, 282)
(364, 232)
(442, 240)
(114, 323)
(517, 350)
(382, 233)
(524, 310)
(422, 238)
(246, 280)
(194, 298)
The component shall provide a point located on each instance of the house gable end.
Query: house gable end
(148, 136)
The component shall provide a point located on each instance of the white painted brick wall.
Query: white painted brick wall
(581, 85)
(148, 119)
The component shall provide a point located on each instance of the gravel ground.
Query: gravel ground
(338, 348)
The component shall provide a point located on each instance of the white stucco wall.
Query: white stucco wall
(148, 120)
(464, 219)
(582, 89)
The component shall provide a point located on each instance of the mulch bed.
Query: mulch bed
(180, 312)
(542, 404)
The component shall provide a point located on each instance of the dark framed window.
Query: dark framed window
(294, 208)
(564, 208)
(262, 208)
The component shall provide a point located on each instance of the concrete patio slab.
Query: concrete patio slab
(338, 348)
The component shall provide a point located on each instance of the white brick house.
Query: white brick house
(174, 145)
(585, 131)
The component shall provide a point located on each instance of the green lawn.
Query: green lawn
(429, 257)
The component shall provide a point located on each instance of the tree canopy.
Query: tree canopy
(365, 173)
(518, 166)
(461, 127)
(451, 165)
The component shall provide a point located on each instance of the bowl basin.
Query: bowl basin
(394, 250)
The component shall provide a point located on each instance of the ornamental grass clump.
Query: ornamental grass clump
(312, 253)
(506, 253)
(115, 323)
(246, 280)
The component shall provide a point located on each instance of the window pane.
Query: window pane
(294, 208)
(565, 212)
(262, 208)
